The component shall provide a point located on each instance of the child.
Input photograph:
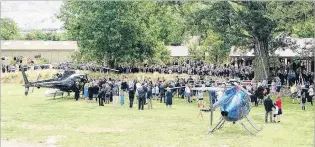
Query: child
(122, 98)
(275, 113)
(200, 98)
(303, 101)
(299, 93)
(279, 105)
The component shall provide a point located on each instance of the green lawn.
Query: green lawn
(36, 117)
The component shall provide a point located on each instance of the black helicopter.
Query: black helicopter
(68, 82)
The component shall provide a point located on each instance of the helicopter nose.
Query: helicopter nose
(224, 113)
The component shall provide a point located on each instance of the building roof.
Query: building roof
(178, 51)
(38, 45)
(303, 45)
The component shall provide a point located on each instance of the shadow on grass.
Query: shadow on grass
(61, 98)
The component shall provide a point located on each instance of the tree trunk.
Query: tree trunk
(261, 60)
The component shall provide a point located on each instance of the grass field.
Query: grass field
(35, 118)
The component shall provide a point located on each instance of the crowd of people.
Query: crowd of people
(143, 92)
(111, 90)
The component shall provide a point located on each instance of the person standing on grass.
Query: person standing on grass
(141, 96)
(188, 93)
(299, 93)
(131, 97)
(303, 101)
(268, 107)
(122, 98)
(200, 98)
(279, 105)
(278, 86)
(162, 92)
(149, 95)
(293, 90)
(157, 91)
(153, 91)
(169, 96)
(115, 96)
(275, 113)
(273, 87)
(311, 94)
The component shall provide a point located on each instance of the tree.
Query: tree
(253, 25)
(117, 32)
(53, 36)
(214, 46)
(196, 52)
(9, 29)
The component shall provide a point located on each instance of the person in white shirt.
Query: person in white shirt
(311, 94)
(187, 91)
(153, 92)
(200, 98)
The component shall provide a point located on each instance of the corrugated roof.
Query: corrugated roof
(178, 51)
(38, 45)
(303, 44)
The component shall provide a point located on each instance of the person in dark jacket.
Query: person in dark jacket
(76, 90)
(268, 107)
(162, 92)
(131, 97)
(108, 93)
(259, 94)
(303, 101)
(141, 96)
(101, 97)
(169, 96)
(124, 85)
(90, 93)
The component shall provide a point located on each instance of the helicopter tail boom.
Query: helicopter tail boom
(26, 82)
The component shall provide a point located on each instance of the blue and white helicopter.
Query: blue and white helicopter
(234, 106)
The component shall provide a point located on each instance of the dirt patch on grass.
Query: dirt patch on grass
(49, 142)
(13, 143)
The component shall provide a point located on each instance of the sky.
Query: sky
(32, 14)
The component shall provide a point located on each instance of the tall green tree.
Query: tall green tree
(253, 25)
(117, 32)
(215, 48)
(9, 29)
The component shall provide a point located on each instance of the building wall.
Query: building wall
(51, 55)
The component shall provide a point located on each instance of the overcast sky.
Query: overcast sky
(32, 14)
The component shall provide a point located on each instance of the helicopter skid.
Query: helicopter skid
(244, 126)
(222, 121)
(217, 127)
